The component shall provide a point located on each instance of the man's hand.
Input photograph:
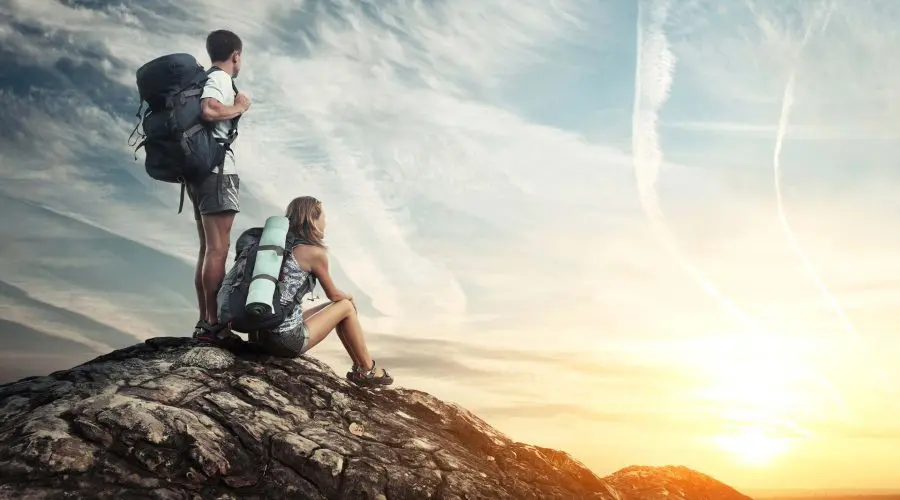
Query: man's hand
(242, 101)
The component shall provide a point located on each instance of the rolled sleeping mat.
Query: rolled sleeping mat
(267, 267)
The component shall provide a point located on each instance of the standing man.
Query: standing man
(215, 197)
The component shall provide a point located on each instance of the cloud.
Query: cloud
(799, 132)
(376, 130)
(427, 173)
(28, 351)
(447, 357)
(20, 338)
(20, 308)
(651, 420)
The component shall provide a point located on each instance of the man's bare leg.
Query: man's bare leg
(198, 273)
(217, 229)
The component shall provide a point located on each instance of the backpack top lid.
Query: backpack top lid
(246, 239)
(251, 237)
(166, 75)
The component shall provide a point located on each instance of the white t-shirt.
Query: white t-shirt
(219, 87)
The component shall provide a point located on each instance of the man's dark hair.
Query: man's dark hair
(220, 44)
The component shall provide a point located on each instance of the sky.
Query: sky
(643, 232)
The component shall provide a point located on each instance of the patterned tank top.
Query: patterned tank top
(295, 283)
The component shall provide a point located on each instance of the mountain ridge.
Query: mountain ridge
(171, 418)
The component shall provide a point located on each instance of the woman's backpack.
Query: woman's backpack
(252, 312)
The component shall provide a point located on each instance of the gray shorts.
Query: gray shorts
(210, 195)
(285, 344)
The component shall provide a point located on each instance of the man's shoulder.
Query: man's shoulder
(219, 78)
(218, 86)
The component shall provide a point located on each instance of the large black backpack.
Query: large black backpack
(179, 144)
(231, 298)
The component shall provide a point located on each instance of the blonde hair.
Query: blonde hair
(302, 213)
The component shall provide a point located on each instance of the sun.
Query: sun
(758, 395)
(753, 446)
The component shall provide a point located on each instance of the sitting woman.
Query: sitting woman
(299, 332)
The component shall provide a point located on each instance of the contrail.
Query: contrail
(653, 79)
(654, 72)
(783, 123)
(787, 103)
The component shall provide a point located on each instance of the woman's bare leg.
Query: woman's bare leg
(340, 331)
(340, 314)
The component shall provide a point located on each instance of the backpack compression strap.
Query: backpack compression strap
(278, 249)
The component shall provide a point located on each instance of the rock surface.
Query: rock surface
(672, 482)
(171, 419)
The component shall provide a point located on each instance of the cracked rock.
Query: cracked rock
(172, 419)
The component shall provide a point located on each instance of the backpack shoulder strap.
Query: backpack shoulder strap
(290, 241)
(216, 68)
(232, 134)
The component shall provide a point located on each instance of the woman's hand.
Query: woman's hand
(339, 296)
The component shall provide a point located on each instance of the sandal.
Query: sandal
(368, 377)
(201, 331)
(206, 332)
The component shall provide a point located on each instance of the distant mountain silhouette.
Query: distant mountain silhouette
(826, 495)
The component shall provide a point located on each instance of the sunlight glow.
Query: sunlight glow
(753, 446)
(762, 395)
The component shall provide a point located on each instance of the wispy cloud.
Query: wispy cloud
(28, 351)
(368, 127)
(23, 313)
(799, 132)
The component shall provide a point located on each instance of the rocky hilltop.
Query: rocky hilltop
(172, 419)
(672, 482)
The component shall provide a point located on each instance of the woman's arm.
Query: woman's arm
(318, 260)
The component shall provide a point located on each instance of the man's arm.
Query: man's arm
(211, 109)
